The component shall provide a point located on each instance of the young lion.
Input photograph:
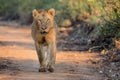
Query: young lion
(44, 35)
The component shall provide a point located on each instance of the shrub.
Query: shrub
(111, 20)
(9, 9)
(65, 9)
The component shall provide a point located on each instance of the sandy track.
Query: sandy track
(17, 49)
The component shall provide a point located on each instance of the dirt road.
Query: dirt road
(18, 59)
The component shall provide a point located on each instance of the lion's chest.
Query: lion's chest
(41, 40)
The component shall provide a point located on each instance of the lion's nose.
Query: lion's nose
(44, 28)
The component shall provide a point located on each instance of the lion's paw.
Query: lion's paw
(42, 70)
(51, 69)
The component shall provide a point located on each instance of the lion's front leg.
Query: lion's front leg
(41, 57)
(51, 56)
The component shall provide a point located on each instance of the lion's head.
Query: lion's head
(44, 20)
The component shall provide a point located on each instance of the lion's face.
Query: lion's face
(44, 23)
(44, 20)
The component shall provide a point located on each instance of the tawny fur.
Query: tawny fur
(45, 40)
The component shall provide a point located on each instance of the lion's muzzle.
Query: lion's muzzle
(43, 32)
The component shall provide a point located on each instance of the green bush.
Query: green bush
(110, 26)
(65, 9)
(21, 9)
(9, 9)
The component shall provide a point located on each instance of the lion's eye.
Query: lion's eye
(39, 20)
(48, 20)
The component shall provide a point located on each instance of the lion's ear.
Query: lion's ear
(51, 12)
(34, 13)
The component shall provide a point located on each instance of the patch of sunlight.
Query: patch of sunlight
(91, 0)
(61, 0)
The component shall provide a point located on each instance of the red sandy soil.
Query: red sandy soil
(18, 59)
